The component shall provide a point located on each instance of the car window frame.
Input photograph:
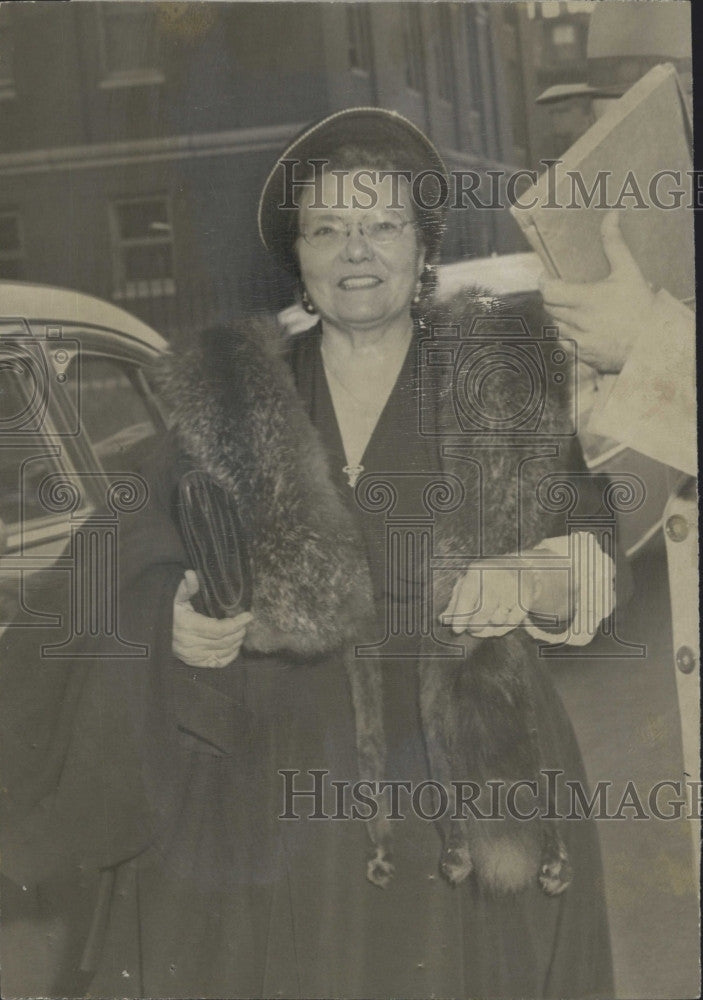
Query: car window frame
(114, 351)
(21, 534)
(73, 451)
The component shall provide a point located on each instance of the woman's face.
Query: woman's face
(358, 279)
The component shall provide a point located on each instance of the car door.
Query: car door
(117, 409)
(61, 444)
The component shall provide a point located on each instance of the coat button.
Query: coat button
(677, 528)
(685, 659)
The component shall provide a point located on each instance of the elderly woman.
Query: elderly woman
(212, 797)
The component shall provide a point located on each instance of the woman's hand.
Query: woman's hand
(564, 579)
(495, 596)
(200, 641)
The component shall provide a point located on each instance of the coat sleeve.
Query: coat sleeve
(651, 406)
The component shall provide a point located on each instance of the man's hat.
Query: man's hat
(625, 40)
(375, 130)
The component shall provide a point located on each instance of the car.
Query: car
(74, 396)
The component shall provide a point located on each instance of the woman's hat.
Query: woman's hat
(375, 130)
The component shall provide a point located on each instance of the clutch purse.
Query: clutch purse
(214, 539)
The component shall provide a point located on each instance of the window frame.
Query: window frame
(111, 78)
(133, 371)
(125, 289)
(71, 451)
(51, 445)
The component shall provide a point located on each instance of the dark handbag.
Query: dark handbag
(214, 539)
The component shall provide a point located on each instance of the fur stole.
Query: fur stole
(238, 417)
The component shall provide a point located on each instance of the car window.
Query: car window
(25, 458)
(114, 413)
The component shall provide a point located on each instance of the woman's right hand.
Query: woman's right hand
(200, 641)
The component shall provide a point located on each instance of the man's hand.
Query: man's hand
(603, 317)
(200, 641)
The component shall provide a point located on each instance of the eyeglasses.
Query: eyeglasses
(330, 232)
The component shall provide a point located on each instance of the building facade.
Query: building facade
(134, 137)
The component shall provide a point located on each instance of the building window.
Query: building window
(564, 43)
(412, 37)
(128, 44)
(7, 54)
(550, 8)
(444, 55)
(11, 246)
(359, 36)
(142, 247)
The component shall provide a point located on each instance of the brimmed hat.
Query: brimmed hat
(373, 129)
(625, 40)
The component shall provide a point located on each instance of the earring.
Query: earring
(307, 304)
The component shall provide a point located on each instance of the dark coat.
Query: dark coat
(158, 783)
(239, 418)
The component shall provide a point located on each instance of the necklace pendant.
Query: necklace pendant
(352, 473)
